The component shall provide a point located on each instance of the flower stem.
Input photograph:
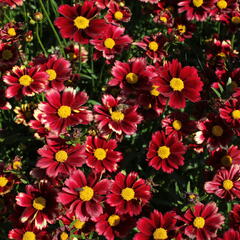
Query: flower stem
(39, 41)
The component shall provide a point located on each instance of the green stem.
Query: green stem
(53, 28)
(39, 40)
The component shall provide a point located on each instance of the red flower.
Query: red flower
(11, 32)
(77, 22)
(153, 45)
(196, 9)
(234, 217)
(102, 4)
(6, 183)
(101, 155)
(65, 109)
(84, 196)
(27, 233)
(116, 117)
(213, 131)
(202, 221)
(111, 42)
(131, 76)
(12, 3)
(158, 226)
(165, 152)
(178, 83)
(129, 194)
(231, 234)
(112, 225)
(231, 114)
(178, 123)
(58, 71)
(224, 157)
(8, 56)
(117, 14)
(25, 81)
(39, 203)
(60, 160)
(225, 183)
(4, 104)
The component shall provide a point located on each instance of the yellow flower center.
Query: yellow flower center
(227, 184)
(163, 19)
(222, 4)
(109, 43)
(81, 22)
(197, 3)
(25, 80)
(100, 153)
(86, 194)
(128, 194)
(7, 54)
(17, 165)
(154, 90)
(160, 234)
(177, 84)
(177, 125)
(39, 203)
(52, 74)
(118, 15)
(12, 32)
(236, 19)
(3, 181)
(163, 152)
(181, 28)
(226, 161)
(64, 111)
(132, 78)
(29, 236)
(153, 46)
(79, 224)
(217, 131)
(117, 116)
(64, 236)
(114, 220)
(199, 222)
(221, 54)
(236, 114)
(61, 156)
(192, 196)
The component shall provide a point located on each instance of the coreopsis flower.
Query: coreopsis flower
(164, 17)
(116, 117)
(213, 131)
(84, 196)
(4, 104)
(24, 113)
(129, 194)
(234, 217)
(27, 233)
(178, 83)
(178, 123)
(60, 160)
(65, 109)
(165, 152)
(117, 14)
(39, 203)
(225, 183)
(58, 70)
(102, 4)
(101, 154)
(8, 56)
(221, 157)
(75, 53)
(78, 22)
(202, 221)
(231, 234)
(12, 3)
(112, 41)
(154, 46)
(6, 183)
(11, 32)
(112, 225)
(24, 81)
(132, 76)
(231, 114)
(196, 9)
(157, 226)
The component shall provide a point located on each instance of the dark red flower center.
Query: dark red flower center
(7, 54)
(217, 131)
(114, 220)
(160, 234)
(226, 161)
(29, 236)
(81, 22)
